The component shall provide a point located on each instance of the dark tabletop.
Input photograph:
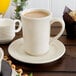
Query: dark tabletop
(65, 66)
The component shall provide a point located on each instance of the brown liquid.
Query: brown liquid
(36, 14)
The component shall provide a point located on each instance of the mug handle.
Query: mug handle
(59, 20)
(19, 25)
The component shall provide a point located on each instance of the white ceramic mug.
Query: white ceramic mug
(8, 29)
(36, 32)
(1, 57)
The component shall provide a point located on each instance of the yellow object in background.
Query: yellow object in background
(4, 4)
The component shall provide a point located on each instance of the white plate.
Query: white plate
(56, 51)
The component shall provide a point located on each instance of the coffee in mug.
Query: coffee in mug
(36, 30)
(36, 14)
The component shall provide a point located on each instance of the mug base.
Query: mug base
(40, 54)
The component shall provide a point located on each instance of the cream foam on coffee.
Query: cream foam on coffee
(36, 14)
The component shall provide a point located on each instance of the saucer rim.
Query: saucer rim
(48, 61)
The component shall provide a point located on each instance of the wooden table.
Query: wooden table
(66, 66)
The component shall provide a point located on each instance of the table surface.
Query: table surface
(65, 66)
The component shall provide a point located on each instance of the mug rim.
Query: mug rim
(36, 9)
(2, 54)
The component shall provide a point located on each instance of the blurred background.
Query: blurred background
(56, 6)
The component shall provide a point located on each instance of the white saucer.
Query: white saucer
(56, 51)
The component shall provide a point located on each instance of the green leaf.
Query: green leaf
(15, 1)
(31, 74)
(19, 7)
(17, 75)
